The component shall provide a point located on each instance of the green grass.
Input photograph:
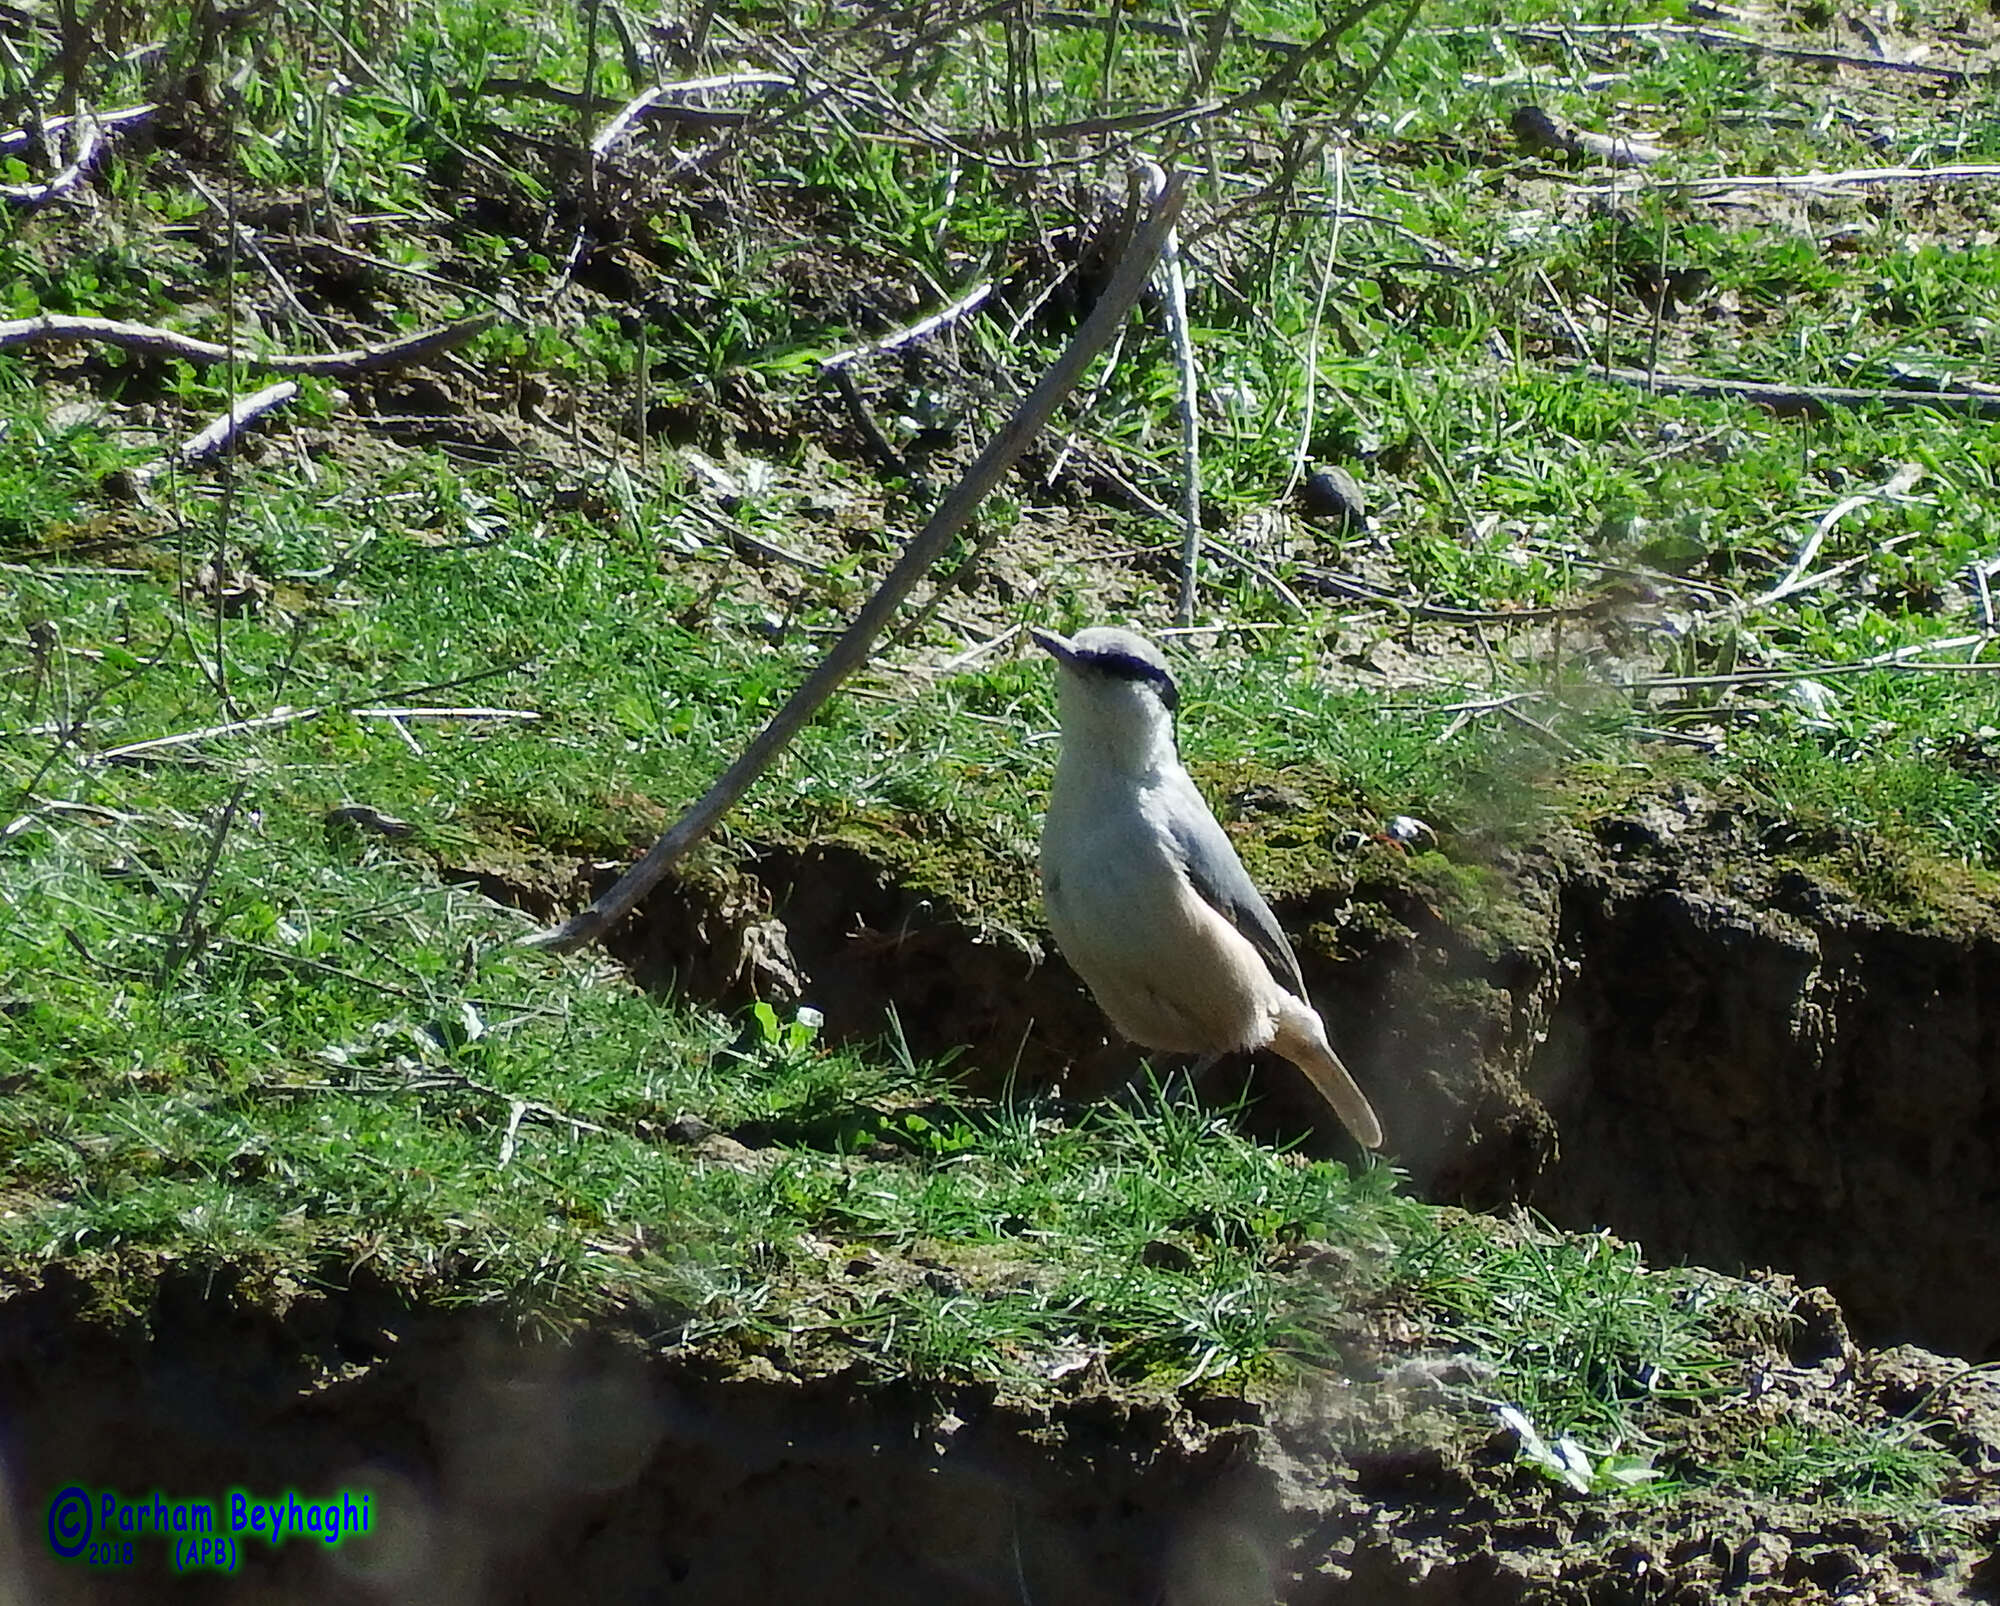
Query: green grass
(1631, 1363)
(328, 1065)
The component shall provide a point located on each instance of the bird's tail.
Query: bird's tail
(1301, 1038)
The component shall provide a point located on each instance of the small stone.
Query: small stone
(1333, 493)
(1764, 1556)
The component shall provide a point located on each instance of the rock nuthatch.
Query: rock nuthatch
(1146, 896)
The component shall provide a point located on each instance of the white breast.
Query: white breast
(1170, 971)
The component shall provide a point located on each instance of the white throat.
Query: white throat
(1114, 725)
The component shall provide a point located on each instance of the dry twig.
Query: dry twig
(283, 715)
(852, 649)
(1895, 489)
(1722, 184)
(1812, 399)
(664, 98)
(1539, 129)
(21, 139)
(55, 328)
(896, 339)
(87, 141)
(1174, 281)
(206, 442)
(248, 242)
(1303, 451)
(1721, 39)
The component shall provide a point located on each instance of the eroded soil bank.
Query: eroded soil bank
(603, 1467)
(1676, 1023)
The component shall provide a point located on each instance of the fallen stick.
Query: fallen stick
(284, 715)
(19, 139)
(55, 328)
(210, 439)
(235, 727)
(974, 653)
(1722, 39)
(1539, 130)
(444, 713)
(1777, 677)
(87, 142)
(1895, 489)
(1816, 400)
(661, 95)
(851, 651)
(896, 339)
(1723, 183)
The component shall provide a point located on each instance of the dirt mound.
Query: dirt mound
(502, 1467)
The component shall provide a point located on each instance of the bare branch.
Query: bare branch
(87, 142)
(666, 95)
(20, 139)
(55, 328)
(1813, 399)
(1539, 129)
(929, 544)
(283, 715)
(444, 713)
(1173, 281)
(1726, 183)
(1895, 489)
(909, 333)
(1719, 39)
(206, 442)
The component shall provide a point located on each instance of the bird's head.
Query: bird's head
(1114, 693)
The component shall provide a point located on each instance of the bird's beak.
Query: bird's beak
(1057, 647)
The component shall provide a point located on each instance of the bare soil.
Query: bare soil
(503, 1468)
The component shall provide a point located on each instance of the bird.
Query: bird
(1143, 891)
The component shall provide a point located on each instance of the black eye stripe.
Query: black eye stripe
(1124, 666)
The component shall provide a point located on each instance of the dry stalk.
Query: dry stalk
(54, 329)
(851, 651)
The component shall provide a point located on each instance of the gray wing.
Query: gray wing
(1210, 860)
